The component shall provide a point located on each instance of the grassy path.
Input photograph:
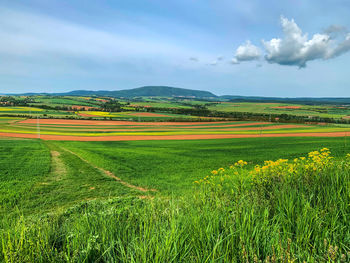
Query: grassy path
(110, 174)
(68, 182)
(58, 167)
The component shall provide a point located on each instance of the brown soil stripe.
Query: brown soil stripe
(93, 122)
(110, 174)
(171, 137)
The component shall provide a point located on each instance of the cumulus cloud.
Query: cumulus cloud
(296, 49)
(246, 52)
(194, 59)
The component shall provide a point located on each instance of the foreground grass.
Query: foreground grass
(276, 212)
(172, 166)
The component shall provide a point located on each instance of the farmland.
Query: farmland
(171, 108)
(71, 188)
(328, 111)
(94, 130)
(134, 185)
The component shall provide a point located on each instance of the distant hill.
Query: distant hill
(162, 91)
(147, 91)
(166, 91)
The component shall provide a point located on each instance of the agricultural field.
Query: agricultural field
(67, 101)
(136, 200)
(104, 130)
(134, 115)
(325, 111)
(34, 112)
(100, 189)
(79, 112)
(160, 108)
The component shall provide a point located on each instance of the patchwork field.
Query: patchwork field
(88, 112)
(134, 115)
(327, 111)
(93, 130)
(33, 112)
(108, 190)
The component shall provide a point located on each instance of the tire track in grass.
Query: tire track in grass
(110, 174)
(58, 167)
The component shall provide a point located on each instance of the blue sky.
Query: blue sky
(290, 48)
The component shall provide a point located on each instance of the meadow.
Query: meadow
(323, 111)
(59, 101)
(33, 112)
(317, 110)
(174, 201)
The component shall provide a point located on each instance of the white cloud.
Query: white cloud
(296, 49)
(246, 52)
(234, 61)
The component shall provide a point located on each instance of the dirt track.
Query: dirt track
(111, 175)
(170, 137)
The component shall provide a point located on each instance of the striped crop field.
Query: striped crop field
(97, 130)
(33, 111)
(133, 115)
(20, 109)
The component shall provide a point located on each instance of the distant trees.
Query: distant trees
(7, 101)
(111, 106)
(202, 111)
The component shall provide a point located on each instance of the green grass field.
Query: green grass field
(65, 101)
(33, 112)
(327, 111)
(169, 166)
(59, 204)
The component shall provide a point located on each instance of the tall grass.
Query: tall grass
(282, 211)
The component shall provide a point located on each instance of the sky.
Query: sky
(290, 48)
